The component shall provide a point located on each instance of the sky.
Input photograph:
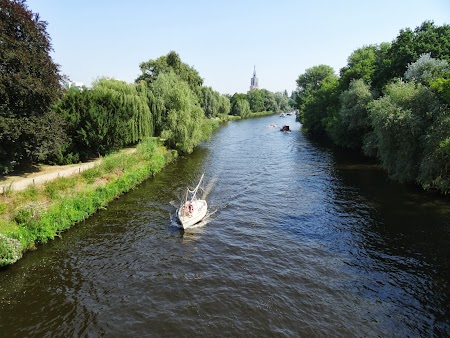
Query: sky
(223, 39)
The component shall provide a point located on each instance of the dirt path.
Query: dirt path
(48, 173)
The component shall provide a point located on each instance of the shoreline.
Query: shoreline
(40, 212)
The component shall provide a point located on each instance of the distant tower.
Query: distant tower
(254, 80)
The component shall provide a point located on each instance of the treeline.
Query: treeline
(390, 101)
(41, 121)
(259, 100)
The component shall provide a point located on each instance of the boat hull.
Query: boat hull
(189, 218)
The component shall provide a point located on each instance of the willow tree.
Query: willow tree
(171, 63)
(181, 117)
(131, 102)
(402, 121)
(111, 115)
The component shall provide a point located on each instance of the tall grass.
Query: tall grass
(40, 213)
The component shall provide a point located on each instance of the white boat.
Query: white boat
(192, 209)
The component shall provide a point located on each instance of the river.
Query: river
(301, 240)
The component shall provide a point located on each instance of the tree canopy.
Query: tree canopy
(29, 84)
(182, 117)
(171, 63)
(391, 101)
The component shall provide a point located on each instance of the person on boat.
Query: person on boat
(191, 208)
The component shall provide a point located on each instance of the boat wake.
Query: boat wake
(210, 186)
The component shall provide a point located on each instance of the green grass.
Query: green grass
(40, 213)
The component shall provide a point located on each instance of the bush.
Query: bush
(10, 250)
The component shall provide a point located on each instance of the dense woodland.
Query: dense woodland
(390, 101)
(44, 121)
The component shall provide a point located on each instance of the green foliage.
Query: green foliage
(435, 167)
(282, 101)
(3, 207)
(401, 120)
(255, 99)
(442, 87)
(103, 119)
(29, 79)
(10, 250)
(360, 65)
(270, 103)
(259, 100)
(37, 222)
(408, 125)
(240, 106)
(29, 84)
(352, 124)
(409, 46)
(224, 105)
(426, 69)
(318, 98)
(181, 115)
(91, 174)
(57, 187)
(171, 63)
(213, 103)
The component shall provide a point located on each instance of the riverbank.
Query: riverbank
(41, 212)
(224, 117)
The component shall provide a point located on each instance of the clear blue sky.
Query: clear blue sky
(224, 39)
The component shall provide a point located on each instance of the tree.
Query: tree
(434, 168)
(360, 65)
(240, 105)
(240, 108)
(282, 101)
(182, 117)
(442, 87)
(256, 100)
(426, 69)
(29, 84)
(171, 62)
(310, 81)
(317, 97)
(107, 117)
(408, 46)
(224, 105)
(270, 104)
(402, 121)
(210, 101)
(352, 124)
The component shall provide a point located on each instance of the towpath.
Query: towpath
(16, 183)
(49, 173)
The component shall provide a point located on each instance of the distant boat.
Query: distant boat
(285, 129)
(192, 209)
(282, 115)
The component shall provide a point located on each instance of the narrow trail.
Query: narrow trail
(23, 183)
(17, 183)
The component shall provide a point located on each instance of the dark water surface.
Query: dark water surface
(303, 241)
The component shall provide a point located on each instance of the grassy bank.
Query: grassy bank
(41, 212)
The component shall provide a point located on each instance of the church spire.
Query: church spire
(254, 80)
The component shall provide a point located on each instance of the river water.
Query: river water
(301, 240)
